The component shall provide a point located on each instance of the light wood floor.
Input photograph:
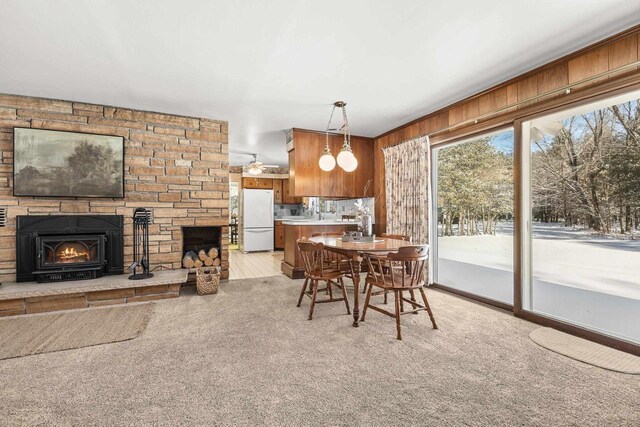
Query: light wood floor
(260, 264)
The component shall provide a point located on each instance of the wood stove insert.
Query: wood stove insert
(68, 247)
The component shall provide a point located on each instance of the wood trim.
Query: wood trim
(474, 297)
(469, 136)
(515, 80)
(530, 95)
(601, 91)
(595, 94)
(517, 217)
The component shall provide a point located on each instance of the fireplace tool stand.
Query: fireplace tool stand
(140, 265)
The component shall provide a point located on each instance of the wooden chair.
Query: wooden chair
(317, 270)
(406, 272)
(402, 237)
(333, 259)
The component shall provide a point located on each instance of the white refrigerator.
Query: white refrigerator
(256, 220)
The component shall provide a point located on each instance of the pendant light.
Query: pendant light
(327, 162)
(346, 160)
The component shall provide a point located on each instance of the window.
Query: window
(581, 217)
(473, 229)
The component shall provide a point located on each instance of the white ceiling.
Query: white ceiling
(266, 66)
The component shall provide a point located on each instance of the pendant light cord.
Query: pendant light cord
(347, 131)
(326, 145)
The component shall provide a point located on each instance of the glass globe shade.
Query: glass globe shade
(327, 162)
(352, 165)
(347, 161)
(255, 171)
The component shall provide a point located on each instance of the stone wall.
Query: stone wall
(176, 165)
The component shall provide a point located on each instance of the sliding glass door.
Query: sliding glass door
(472, 248)
(581, 216)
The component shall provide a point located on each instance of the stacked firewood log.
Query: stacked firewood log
(209, 258)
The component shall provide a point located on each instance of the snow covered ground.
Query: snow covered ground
(593, 281)
(560, 255)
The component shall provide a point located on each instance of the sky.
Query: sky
(503, 141)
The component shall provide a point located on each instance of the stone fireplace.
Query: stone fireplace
(177, 166)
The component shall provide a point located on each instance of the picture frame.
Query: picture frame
(54, 163)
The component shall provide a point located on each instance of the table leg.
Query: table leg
(355, 273)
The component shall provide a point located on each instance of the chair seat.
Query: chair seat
(326, 273)
(388, 285)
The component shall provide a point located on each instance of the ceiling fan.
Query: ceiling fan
(256, 167)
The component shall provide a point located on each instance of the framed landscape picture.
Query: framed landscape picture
(49, 163)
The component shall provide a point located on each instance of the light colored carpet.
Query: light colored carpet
(586, 351)
(46, 332)
(249, 357)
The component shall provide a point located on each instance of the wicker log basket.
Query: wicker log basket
(207, 280)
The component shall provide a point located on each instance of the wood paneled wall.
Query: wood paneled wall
(530, 88)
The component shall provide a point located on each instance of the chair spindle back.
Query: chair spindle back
(313, 257)
(406, 268)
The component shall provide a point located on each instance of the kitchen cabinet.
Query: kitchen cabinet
(287, 195)
(277, 191)
(279, 235)
(258, 183)
(250, 183)
(307, 179)
(266, 183)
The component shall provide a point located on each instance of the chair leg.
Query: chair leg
(366, 302)
(385, 296)
(314, 286)
(344, 295)
(401, 301)
(330, 289)
(304, 288)
(413, 298)
(426, 304)
(397, 295)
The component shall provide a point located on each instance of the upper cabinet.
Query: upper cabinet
(258, 183)
(287, 195)
(307, 179)
(277, 191)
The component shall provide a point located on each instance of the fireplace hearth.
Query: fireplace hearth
(68, 247)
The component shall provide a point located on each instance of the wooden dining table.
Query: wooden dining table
(353, 252)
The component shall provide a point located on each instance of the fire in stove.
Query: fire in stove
(70, 254)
